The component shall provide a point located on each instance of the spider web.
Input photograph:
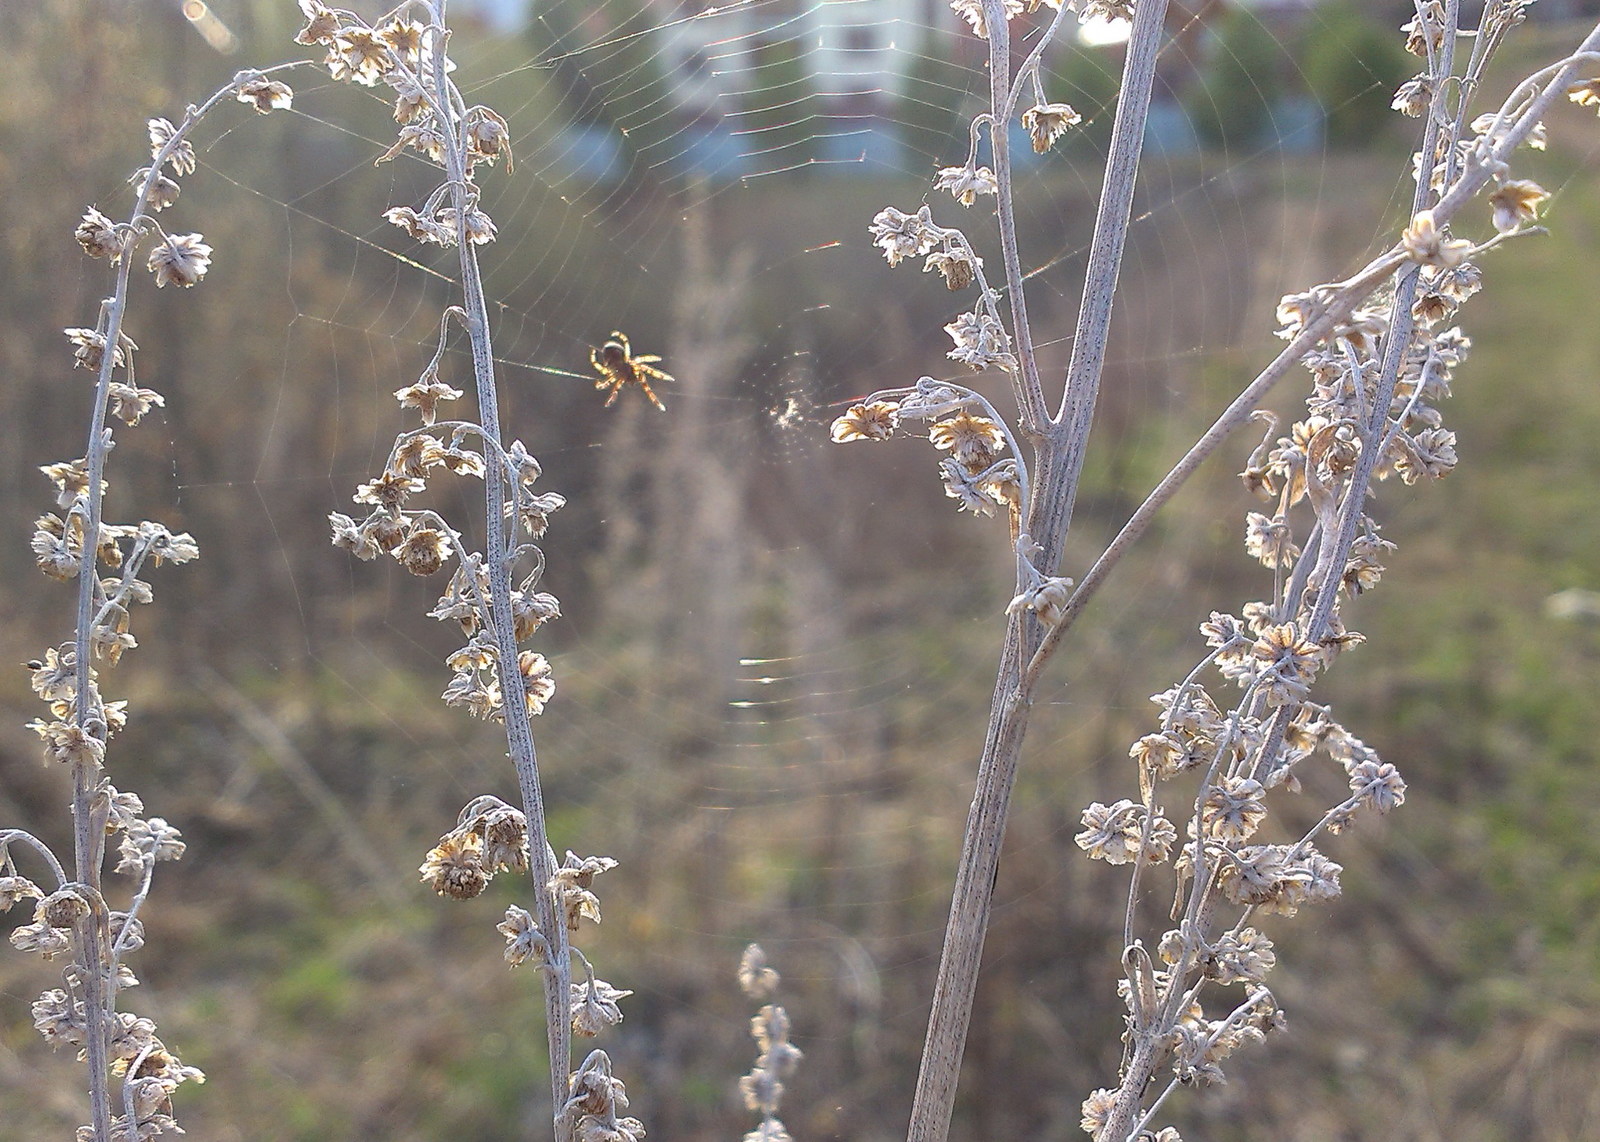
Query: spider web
(773, 660)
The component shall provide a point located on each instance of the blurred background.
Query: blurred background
(776, 654)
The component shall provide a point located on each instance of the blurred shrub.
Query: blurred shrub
(1352, 64)
(1240, 83)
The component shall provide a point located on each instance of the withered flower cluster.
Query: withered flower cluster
(75, 543)
(1378, 374)
(776, 1057)
(492, 596)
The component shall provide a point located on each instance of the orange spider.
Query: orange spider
(618, 368)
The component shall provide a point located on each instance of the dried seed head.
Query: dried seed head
(980, 340)
(129, 403)
(41, 938)
(15, 888)
(1113, 833)
(61, 909)
(974, 441)
(1046, 599)
(359, 54)
(163, 191)
(488, 137)
(1233, 809)
(425, 395)
(388, 491)
(404, 37)
(538, 680)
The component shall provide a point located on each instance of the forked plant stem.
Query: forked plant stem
(1058, 462)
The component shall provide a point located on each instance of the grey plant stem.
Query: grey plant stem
(1059, 447)
(497, 555)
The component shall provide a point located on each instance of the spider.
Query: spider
(618, 368)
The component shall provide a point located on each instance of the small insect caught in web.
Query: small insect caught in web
(619, 368)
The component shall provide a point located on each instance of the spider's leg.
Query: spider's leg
(612, 399)
(647, 357)
(651, 393)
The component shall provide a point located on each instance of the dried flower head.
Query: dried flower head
(966, 183)
(454, 868)
(359, 54)
(980, 340)
(1115, 833)
(572, 883)
(524, 941)
(972, 12)
(1414, 96)
(265, 95)
(404, 37)
(594, 1007)
(1586, 93)
(958, 266)
(100, 237)
(425, 396)
(423, 551)
(1047, 122)
(488, 137)
(901, 235)
(1245, 956)
(181, 158)
(1233, 809)
(321, 23)
(1424, 242)
(756, 978)
(1047, 599)
(163, 191)
(874, 421)
(180, 260)
(1516, 203)
(975, 441)
(538, 680)
(1290, 662)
